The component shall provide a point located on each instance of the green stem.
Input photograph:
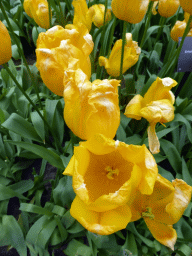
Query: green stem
(175, 57)
(21, 52)
(122, 55)
(34, 106)
(63, 21)
(147, 23)
(101, 53)
(144, 137)
(111, 36)
(50, 23)
(160, 30)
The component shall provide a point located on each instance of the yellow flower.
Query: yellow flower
(39, 11)
(98, 17)
(168, 8)
(178, 30)
(187, 15)
(186, 5)
(105, 175)
(82, 14)
(132, 11)
(154, 7)
(156, 106)
(131, 56)
(59, 49)
(5, 45)
(90, 108)
(163, 208)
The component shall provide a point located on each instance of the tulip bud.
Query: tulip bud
(39, 11)
(168, 8)
(98, 17)
(90, 108)
(186, 5)
(5, 44)
(132, 11)
(178, 30)
(131, 56)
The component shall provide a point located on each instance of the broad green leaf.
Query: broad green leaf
(45, 233)
(19, 125)
(6, 193)
(35, 209)
(40, 151)
(38, 124)
(22, 186)
(14, 234)
(185, 172)
(130, 244)
(75, 248)
(172, 155)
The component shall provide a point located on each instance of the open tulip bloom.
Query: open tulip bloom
(156, 106)
(106, 174)
(163, 208)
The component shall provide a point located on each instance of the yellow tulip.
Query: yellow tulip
(59, 49)
(90, 108)
(105, 175)
(156, 106)
(131, 56)
(98, 17)
(178, 30)
(187, 15)
(39, 11)
(5, 44)
(168, 8)
(163, 208)
(82, 14)
(154, 7)
(132, 11)
(186, 5)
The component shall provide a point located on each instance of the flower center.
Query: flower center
(148, 213)
(111, 173)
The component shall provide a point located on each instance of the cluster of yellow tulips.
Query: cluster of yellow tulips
(115, 183)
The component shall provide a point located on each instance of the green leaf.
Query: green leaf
(19, 125)
(40, 151)
(45, 233)
(130, 244)
(14, 234)
(6, 193)
(75, 248)
(180, 118)
(172, 155)
(185, 172)
(184, 250)
(22, 186)
(38, 124)
(35, 209)
(63, 194)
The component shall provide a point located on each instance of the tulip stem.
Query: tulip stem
(50, 23)
(34, 106)
(175, 57)
(111, 36)
(147, 24)
(21, 53)
(122, 55)
(160, 30)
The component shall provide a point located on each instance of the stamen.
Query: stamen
(148, 213)
(111, 172)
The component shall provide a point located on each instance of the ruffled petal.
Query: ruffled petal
(154, 145)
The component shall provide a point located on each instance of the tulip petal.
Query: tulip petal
(181, 200)
(163, 233)
(154, 144)
(104, 223)
(134, 107)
